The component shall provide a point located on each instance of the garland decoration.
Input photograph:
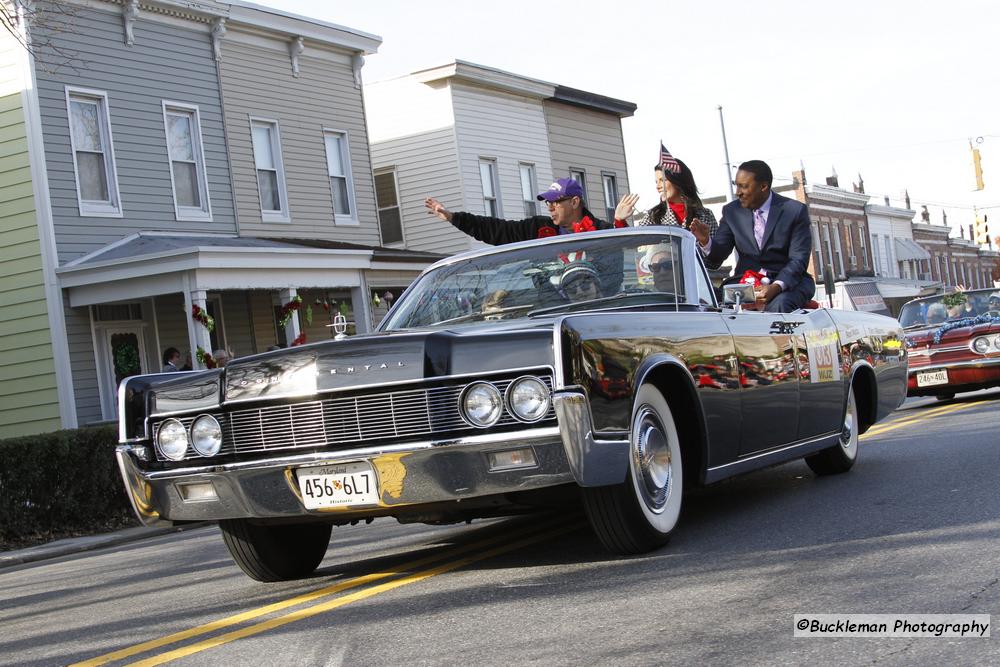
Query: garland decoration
(205, 358)
(985, 318)
(299, 340)
(199, 314)
(285, 314)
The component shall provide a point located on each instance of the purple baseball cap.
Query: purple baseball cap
(561, 189)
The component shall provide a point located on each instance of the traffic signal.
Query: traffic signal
(982, 230)
(977, 165)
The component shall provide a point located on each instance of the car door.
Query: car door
(821, 385)
(769, 386)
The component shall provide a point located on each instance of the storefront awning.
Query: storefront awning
(907, 249)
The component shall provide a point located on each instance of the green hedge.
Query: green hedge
(60, 483)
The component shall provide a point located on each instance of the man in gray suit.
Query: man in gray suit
(771, 235)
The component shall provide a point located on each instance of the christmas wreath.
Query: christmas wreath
(300, 339)
(285, 314)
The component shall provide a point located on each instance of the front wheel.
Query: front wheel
(639, 514)
(840, 457)
(277, 552)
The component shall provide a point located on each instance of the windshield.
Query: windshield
(570, 275)
(950, 307)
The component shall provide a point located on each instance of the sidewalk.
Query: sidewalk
(74, 545)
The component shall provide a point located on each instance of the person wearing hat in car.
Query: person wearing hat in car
(568, 211)
(580, 281)
(994, 303)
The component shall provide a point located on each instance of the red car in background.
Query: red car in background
(953, 343)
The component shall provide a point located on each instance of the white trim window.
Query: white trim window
(580, 176)
(529, 187)
(93, 153)
(186, 154)
(488, 177)
(862, 237)
(338, 164)
(890, 263)
(270, 170)
(610, 184)
(387, 200)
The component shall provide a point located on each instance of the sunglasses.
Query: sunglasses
(657, 267)
(580, 285)
(557, 201)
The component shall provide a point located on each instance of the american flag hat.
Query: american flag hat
(668, 161)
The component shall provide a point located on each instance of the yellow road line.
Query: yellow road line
(878, 430)
(301, 599)
(347, 599)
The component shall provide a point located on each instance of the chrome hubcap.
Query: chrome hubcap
(653, 461)
(847, 437)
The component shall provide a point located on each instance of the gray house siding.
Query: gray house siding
(426, 165)
(166, 63)
(257, 82)
(589, 140)
(507, 127)
(81, 352)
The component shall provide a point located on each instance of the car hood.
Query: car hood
(385, 358)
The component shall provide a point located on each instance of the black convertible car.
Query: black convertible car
(595, 367)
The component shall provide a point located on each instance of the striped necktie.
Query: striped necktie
(758, 227)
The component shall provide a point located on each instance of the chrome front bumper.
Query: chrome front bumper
(412, 474)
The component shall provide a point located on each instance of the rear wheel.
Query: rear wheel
(276, 552)
(639, 514)
(840, 457)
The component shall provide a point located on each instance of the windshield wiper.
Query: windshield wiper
(573, 305)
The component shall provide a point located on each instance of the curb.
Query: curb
(75, 545)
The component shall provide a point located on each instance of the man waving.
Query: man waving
(771, 234)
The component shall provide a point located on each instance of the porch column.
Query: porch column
(292, 329)
(198, 335)
(362, 305)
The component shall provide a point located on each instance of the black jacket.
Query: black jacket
(497, 231)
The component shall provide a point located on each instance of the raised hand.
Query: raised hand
(626, 206)
(700, 231)
(434, 207)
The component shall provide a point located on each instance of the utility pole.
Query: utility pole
(725, 150)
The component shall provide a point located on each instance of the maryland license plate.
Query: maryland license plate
(931, 378)
(341, 485)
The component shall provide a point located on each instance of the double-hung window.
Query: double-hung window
(580, 176)
(610, 196)
(187, 162)
(93, 154)
(488, 176)
(270, 170)
(338, 162)
(387, 200)
(528, 189)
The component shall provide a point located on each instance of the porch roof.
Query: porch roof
(151, 263)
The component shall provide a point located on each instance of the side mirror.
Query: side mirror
(737, 294)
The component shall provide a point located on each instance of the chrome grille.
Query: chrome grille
(350, 421)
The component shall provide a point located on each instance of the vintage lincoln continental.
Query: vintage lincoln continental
(593, 368)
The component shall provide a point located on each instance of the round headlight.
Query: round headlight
(172, 439)
(206, 435)
(981, 345)
(482, 404)
(528, 399)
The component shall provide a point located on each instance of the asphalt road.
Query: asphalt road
(913, 528)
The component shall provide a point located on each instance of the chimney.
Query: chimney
(860, 187)
(907, 197)
(887, 200)
(944, 217)
(832, 180)
(799, 179)
(971, 235)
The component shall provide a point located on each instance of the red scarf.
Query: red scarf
(680, 211)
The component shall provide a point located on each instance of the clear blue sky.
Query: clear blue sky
(892, 90)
